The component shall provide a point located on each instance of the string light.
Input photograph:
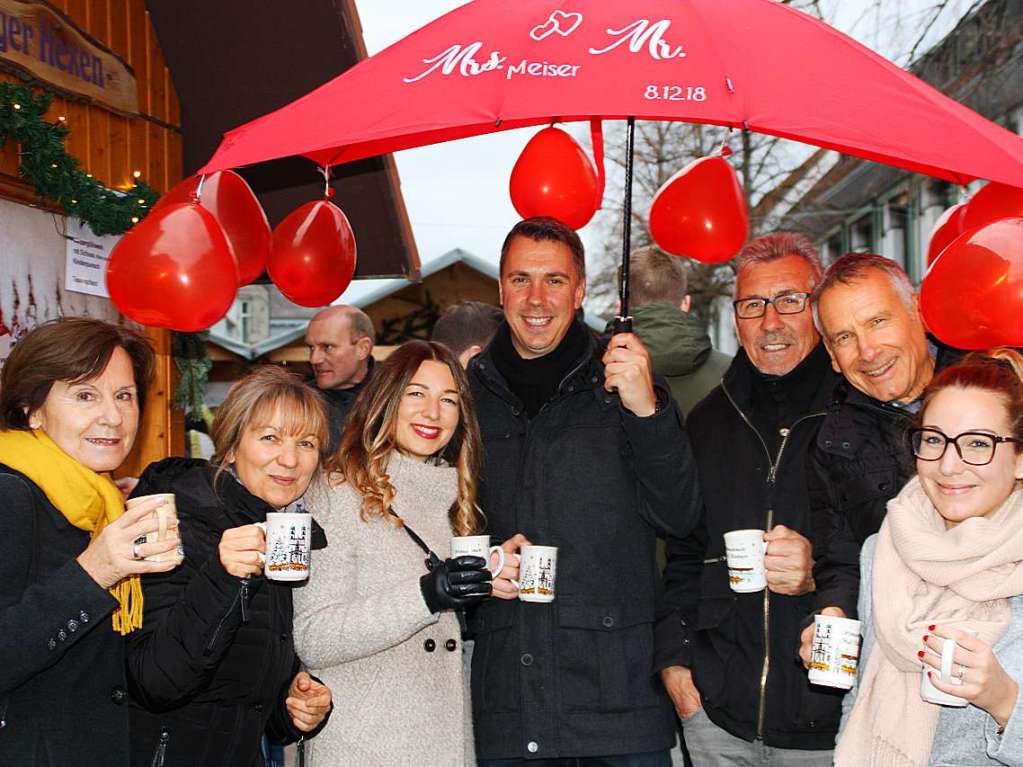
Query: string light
(137, 173)
(62, 119)
(134, 219)
(17, 106)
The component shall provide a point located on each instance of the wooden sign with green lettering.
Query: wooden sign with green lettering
(41, 42)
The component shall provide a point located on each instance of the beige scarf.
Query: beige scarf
(924, 574)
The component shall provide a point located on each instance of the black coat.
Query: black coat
(860, 461)
(339, 404)
(751, 477)
(574, 677)
(62, 687)
(210, 669)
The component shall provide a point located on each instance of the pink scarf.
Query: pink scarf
(924, 574)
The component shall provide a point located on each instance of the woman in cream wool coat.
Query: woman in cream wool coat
(377, 621)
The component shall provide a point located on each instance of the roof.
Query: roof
(363, 293)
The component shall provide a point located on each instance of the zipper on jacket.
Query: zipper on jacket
(161, 748)
(772, 475)
(220, 625)
(245, 600)
(3, 712)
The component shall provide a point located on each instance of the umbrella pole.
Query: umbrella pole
(623, 322)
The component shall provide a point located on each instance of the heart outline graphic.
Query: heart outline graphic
(553, 24)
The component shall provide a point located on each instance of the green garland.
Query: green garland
(57, 176)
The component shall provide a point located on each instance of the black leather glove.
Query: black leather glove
(455, 584)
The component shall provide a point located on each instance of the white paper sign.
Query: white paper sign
(87, 255)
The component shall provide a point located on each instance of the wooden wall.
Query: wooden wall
(112, 147)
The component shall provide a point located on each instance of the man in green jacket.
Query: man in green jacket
(678, 342)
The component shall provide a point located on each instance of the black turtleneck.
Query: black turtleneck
(536, 381)
(778, 401)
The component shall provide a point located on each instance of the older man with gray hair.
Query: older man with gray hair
(867, 312)
(726, 658)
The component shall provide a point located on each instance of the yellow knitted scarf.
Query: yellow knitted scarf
(88, 500)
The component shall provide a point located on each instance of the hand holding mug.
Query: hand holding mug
(788, 562)
(242, 550)
(806, 638)
(982, 679)
(678, 682)
(505, 582)
(456, 584)
(114, 554)
(308, 702)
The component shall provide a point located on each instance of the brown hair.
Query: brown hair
(253, 400)
(999, 371)
(72, 349)
(543, 229)
(465, 324)
(656, 277)
(369, 437)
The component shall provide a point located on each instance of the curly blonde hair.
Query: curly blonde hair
(369, 437)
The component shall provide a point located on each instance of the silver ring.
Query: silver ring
(959, 672)
(135, 553)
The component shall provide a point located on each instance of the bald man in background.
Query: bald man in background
(340, 341)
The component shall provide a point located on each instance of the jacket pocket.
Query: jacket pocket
(715, 645)
(494, 680)
(605, 657)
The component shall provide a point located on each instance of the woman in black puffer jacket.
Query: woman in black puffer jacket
(214, 667)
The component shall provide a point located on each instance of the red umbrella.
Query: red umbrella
(755, 64)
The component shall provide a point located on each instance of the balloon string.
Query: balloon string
(597, 140)
(325, 170)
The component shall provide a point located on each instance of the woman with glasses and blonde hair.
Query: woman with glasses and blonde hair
(378, 620)
(214, 669)
(947, 564)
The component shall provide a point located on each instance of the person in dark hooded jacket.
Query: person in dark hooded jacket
(214, 667)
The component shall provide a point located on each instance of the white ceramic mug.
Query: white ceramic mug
(478, 546)
(288, 542)
(932, 694)
(538, 566)
(167, 519)
(744, 551)
(835, 654)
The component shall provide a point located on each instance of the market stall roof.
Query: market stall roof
(233, 60)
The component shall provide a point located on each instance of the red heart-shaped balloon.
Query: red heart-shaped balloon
(972, 296)
(992, 202)
(173, 270)
(313, 254)
(554, 177)
(700, 212)
(948, 226)
(234, 206)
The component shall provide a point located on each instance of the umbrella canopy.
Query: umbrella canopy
(495, 64)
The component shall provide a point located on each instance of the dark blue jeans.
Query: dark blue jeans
(649, 759)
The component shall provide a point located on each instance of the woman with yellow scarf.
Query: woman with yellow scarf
(71, 393)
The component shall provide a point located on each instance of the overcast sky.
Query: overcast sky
(457, 193)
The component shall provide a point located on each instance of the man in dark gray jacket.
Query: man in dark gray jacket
(584, 450)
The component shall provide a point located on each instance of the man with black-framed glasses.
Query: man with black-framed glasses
(726, 658)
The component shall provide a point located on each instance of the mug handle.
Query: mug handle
(262, 555)
(500, 561)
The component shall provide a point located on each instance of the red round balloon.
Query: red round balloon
(948, 226)
(992, 202)
(313, 254)
(173, 270)
(972, 296)
(700, 212)
(231, 202)
(554, 177)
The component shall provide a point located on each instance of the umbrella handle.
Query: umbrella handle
(622, 325)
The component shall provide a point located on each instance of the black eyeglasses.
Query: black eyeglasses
(786, 303)
(976, 448)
